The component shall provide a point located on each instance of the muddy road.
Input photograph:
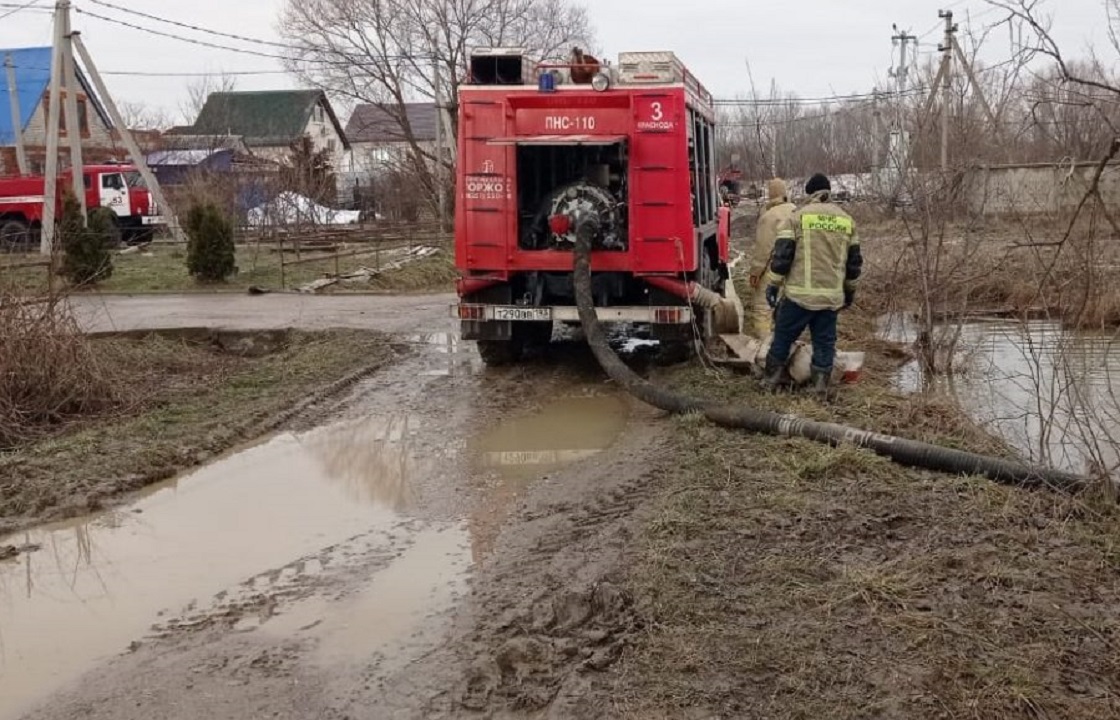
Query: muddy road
(387, 313)
(365, 565)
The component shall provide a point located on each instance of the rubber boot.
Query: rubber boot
(820, 380)
(772, 374)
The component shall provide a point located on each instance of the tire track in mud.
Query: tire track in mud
(547, 612)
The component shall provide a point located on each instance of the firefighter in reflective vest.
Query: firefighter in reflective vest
(813, 275)
(778, 209)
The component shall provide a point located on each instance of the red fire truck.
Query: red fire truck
(117, 187)
(635, 146)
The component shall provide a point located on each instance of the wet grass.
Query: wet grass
(193, 402)
(779, 578)
(162, 268)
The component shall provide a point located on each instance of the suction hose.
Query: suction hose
(900, 450)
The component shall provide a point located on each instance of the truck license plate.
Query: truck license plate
(522, 313)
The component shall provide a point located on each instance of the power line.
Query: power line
(159, 74)
(172, 36)
(780, 102)
(19, 8)
(346, 63)
(196, 28)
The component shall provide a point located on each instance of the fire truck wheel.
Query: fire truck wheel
(497, 353)
(13, 236)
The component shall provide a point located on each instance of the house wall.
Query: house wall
(100, 135)
(371, 158)
(324, 135)
(1036, 189)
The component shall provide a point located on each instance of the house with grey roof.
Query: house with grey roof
(268, 123)
(380, 135)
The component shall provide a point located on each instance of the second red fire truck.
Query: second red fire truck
(542, 144)
(117, 187)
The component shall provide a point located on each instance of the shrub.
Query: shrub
(52, 373)
(210, 251)
(87, 257)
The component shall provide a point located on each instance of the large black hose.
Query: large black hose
(900, 450)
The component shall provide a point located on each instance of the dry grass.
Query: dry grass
(779, 578)
(1002, 266)
(191, 401)
(50, 372)
(434, 273)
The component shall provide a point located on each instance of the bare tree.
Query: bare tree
(388, 52)
(138, 116)
(199, 90)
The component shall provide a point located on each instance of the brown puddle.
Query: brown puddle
(531, 445)
(268, 517)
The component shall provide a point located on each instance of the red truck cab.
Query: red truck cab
(120, 188)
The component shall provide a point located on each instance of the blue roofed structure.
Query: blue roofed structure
(33, 74)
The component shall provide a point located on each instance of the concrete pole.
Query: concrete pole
(17, 125)
(774, 152)
(946, 86)
(54, 112)
(138, 158)
(876, 132)
(73, 125)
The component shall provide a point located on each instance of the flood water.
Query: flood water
(280, 518)
(1051, 393)
(532, 444)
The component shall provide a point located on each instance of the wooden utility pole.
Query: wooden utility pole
(134, 152)
(17, 124)
(946, 49)
(54, 112)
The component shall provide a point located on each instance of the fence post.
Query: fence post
(283, 284)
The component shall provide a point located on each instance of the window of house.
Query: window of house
(83, 113)
(332, 145)
(319, 115)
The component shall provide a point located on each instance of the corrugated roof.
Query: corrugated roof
(182, 157)
(33, 75)
(268, 117)
(381, 123)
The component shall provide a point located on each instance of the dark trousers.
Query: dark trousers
(791, 321)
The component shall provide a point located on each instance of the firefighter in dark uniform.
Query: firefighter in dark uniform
(813, 275)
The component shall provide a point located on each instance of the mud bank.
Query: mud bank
(193, 394)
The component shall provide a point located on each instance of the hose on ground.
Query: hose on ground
(900, 450)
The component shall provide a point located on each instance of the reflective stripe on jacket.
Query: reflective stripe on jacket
(817, 255)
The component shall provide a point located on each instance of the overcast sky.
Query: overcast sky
(812, 47)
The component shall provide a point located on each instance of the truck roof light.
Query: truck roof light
(601, 81)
